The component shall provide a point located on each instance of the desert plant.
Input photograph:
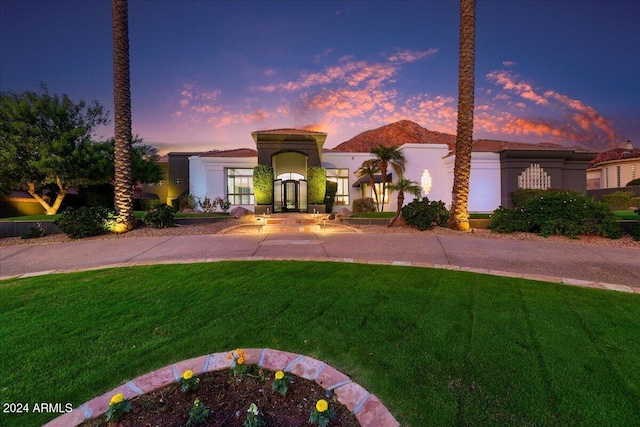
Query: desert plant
(224, 204)
(34, 232)
(148, 204)
(635, 231)
(85, 221)
(263, 184)
(424, 214)
(160, 216)
(208, 205)
(364, 205)
(316, 184)
(186, 201)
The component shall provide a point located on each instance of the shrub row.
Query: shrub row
(566, 213)
(85, 221)
(425, 214)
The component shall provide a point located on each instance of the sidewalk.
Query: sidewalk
(606, 267)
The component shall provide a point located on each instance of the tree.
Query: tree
(370, 168)
(123, 183)
(46, 141)
(385, 157)
(459, 217)
(404, 186)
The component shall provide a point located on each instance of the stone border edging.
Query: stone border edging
(541, 278)
(368, 409)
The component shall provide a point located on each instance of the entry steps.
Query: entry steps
(291, 222)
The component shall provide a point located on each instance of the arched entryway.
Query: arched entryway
(290, 193)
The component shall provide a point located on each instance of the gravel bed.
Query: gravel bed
(247, 226)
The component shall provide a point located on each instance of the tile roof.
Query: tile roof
(238, 152)
(615, 154)
(288, 131)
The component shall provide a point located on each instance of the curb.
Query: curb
(368, 409)
(540, 278)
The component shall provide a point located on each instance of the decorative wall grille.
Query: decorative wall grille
(534, 177)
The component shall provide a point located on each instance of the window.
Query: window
(290, 176)
(177, 181)
(534, 177)
(240, 186)
(340, 177)
(633, 172)
(618, 176)
(367, 191)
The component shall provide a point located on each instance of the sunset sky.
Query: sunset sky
(204, 74)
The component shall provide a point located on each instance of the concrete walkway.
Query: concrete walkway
(606, 267)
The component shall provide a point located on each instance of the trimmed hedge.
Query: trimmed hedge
(566, 213)
(263, 184)
(634, 182)
(316, 184)
(364, 205)
(619, 200)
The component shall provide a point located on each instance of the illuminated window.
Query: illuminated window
(426, 182)
(340, 177)
(534, 177)
(368, 192)
(633, 172)
(240, 186)
(617, 176)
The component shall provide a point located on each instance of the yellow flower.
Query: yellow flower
(187, 374)
(322, 405)
(240, 360)
(240, 352)
(279, 375)
(229, 356)
(117, 398)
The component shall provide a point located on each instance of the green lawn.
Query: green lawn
(626, 214)
(438, 347)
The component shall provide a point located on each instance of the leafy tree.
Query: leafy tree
(385, 157)
(47, 140)
(122, 101)
(459, 218)
(404, 186)
(370, 168)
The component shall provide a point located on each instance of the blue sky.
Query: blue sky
(204, 74)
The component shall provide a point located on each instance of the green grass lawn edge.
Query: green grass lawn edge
(437, 347)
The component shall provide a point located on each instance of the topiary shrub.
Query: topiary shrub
(316, 184)
(263, 184)
(633, 182)
(160, 216)
(364, 205)
(567, 213)
(619, 200)
(425, 214)
(85, 221)
(330, 195)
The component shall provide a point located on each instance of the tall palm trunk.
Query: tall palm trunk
(459, 215)
(123, 184)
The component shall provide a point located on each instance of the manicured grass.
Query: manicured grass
(374, 215)
(480, 215)
(438, 347)
(626, 214)
(32, 218)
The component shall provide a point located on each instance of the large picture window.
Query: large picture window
(340, 177)
(240, 186)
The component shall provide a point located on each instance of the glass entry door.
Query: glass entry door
(290, 196)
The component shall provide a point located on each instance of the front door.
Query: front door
(290, 196)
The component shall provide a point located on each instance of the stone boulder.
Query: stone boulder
(344, 212)
(239, 212)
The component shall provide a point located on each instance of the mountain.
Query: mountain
(394, 135)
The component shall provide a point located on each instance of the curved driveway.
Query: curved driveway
(608, 267)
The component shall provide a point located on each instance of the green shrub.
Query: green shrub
(316, 184)
(148, 204)
(633, 182)
(364, 205)
(635, 201)
(263, 184)
(99, 195)
(34, 232)
(619, 200)
(330, 195)
(425, 214)
(85, 221)
(160, 216)
(635, 232)
(566, 213)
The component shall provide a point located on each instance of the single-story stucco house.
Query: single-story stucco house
(497, 168)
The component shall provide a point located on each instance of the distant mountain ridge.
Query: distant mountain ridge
(405, 131)
(394, 135)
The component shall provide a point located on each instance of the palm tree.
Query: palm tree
(370, 168)
(385, 157)
(123, 184)
(404, 186)
(459, 216)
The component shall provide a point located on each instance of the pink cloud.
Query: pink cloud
(523, 89)
(412, 55)
(509, 63)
